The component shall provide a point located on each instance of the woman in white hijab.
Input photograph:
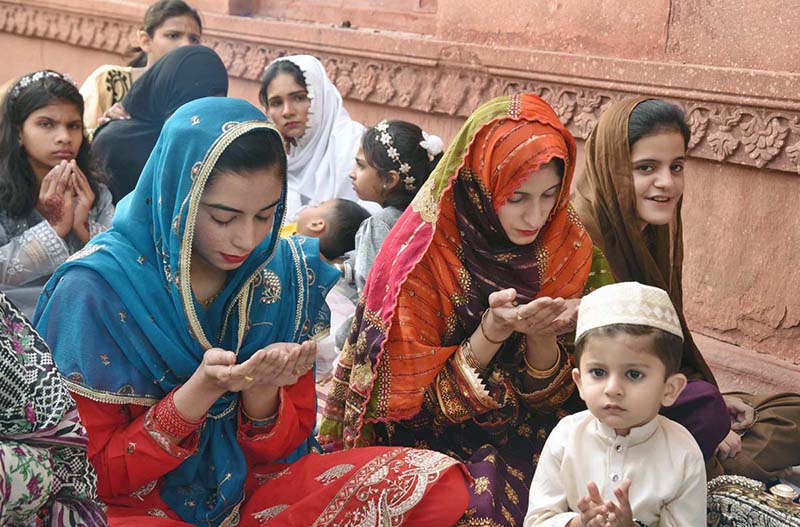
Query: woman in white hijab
(321, 138)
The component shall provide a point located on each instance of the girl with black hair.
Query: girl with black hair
(630, 200)
(394, 160)
(51, 203)
(168, 24)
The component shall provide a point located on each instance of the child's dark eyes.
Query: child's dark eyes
(634, 375)
(597, 372)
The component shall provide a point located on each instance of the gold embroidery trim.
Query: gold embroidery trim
(195, 193)
(101, 396)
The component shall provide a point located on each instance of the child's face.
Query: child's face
(366, 181)
(658, 180)
(311, 221)
(50, 135)
(621, 379)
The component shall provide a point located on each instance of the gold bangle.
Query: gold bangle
(483, 317)
(542, 374)
(465, 350)
(266, 421)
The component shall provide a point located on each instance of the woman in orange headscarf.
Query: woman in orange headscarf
(453, 346)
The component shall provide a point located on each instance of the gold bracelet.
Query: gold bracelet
(465, 350)
(260, 422)
(542, 374)
(483, 317)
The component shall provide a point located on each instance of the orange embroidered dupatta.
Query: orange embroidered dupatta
(431, 280)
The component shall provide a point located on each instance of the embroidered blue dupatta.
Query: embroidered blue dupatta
(123, 322)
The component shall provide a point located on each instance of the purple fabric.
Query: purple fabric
(701, 409)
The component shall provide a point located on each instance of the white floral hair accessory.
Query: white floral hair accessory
(432, 144)
(35, 77)
(385, 138)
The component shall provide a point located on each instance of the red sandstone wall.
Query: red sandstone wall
(732, 65)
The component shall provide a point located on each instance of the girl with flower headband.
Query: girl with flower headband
(51, 202)
(395, 158)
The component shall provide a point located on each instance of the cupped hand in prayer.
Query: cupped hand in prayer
(279, 364)
(543, 316)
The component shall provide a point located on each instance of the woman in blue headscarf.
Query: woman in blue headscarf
(179, 332)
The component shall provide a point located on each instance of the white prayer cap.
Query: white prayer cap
(628, 303)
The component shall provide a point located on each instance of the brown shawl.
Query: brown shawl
(606, 202)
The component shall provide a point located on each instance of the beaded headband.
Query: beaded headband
(431, 143)
(35, 77)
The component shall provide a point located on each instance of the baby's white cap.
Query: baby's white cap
(628, 303)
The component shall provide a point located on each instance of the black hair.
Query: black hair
(558, 164)
(344, 219)
(17, 180)
(254, 150)
(154, 18)
(666, 346)
(406, 138)
(275, 69)
(654, 116)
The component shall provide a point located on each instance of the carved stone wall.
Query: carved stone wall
(745, 123)
(456, 83)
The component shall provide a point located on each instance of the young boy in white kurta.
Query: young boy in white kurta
(619, 463)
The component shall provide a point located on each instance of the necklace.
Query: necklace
(210, 300)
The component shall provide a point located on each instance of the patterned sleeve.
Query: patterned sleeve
(33, 254)
(102, 212)
(39, 415)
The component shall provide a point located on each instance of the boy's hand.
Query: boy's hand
(593, 510)
(620, 515)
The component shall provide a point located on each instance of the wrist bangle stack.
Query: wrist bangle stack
(542, 374)
(468, 356)
(483, 331)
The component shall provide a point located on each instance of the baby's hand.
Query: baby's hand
(620, 515)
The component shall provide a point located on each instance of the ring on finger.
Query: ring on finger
(248, 378)
(519, 317)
